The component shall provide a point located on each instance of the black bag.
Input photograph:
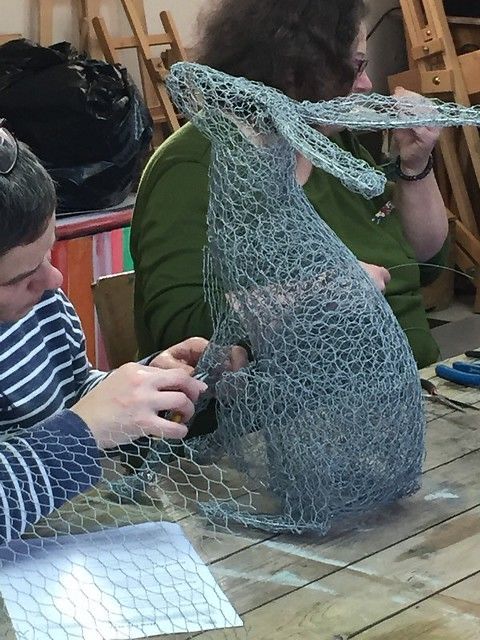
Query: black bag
(466, 8)
(83, 118)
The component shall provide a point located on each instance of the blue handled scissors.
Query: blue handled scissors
(462, 373)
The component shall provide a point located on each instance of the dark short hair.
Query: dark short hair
(27, 201)
(301, 47)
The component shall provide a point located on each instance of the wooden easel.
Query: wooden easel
(88, 8)
(45, 22)
(436, 69)
(152, 69)
(96, 39)
(88, 40)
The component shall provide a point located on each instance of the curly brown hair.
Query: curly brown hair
(301, 47)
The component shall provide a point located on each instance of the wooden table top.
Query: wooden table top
(408, 572)
(411, 572)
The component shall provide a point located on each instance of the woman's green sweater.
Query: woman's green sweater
(169, 233)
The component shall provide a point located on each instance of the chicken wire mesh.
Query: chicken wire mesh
(110, 567)
(324, 422)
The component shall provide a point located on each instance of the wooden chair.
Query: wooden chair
(438, 69)
(153, 69)
(113, 297)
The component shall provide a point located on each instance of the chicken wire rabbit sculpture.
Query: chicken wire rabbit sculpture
(328, 416)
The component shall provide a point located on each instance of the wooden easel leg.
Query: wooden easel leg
(88, 42)
(154, 67)
(45, 22)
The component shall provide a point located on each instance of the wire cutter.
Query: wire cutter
(176, 416)
(433, 395)
(462, 373)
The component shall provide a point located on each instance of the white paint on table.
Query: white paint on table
(441, 495)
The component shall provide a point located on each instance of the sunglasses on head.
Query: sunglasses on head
(8, 149)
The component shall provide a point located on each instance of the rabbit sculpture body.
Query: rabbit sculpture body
(328, 416)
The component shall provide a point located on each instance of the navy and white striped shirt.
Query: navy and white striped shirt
(43, 363)
(48, 454)
(43, 467)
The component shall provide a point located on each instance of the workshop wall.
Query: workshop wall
(386, 50)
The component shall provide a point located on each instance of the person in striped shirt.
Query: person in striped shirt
(57, 413)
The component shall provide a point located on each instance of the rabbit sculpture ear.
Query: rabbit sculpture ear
(355, 111)
(374, 111)
(357, 175)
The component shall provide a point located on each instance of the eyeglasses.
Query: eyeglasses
(360, 65)
(8, 150)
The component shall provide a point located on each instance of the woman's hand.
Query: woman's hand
(184, 355)
(414, 146)
(380, 276)
(129, 403)
(419, 203)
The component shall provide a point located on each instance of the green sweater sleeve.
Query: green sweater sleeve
(168, 236)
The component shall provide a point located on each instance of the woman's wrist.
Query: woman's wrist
(413, 175)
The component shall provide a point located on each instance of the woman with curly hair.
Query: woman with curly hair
(310, 50)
